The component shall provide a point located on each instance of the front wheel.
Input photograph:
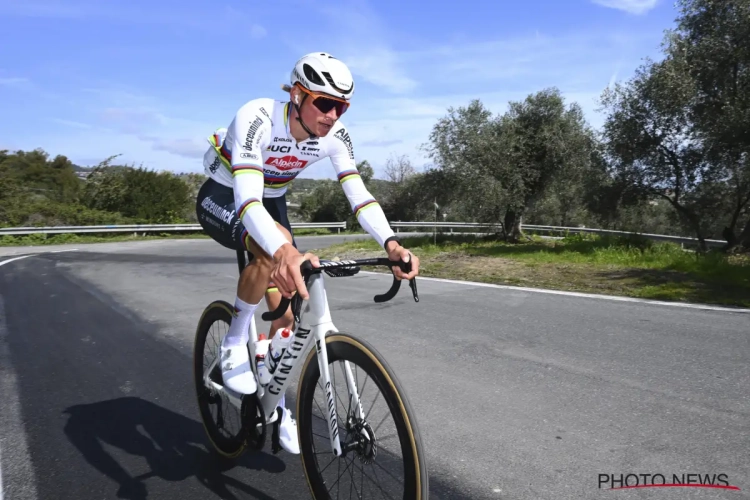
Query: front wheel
(383, 448)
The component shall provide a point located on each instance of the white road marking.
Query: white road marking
(578, 294)
(2, 263)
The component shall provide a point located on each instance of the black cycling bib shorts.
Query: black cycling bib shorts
(217, 215)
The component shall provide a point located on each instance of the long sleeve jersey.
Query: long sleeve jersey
(258, 157)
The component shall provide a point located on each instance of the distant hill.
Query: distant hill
(78, 168)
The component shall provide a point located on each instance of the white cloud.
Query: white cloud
(188, 148)
(632, 6)
(71, 123)
(379, 66)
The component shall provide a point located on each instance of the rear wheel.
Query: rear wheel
(383, 453)
(222, 420)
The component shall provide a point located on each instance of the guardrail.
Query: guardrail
(166, 228)
(399, 224)
(656, 237)
(557, 229)
(144, 228)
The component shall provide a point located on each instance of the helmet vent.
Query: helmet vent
(313, 75)
(333, 84)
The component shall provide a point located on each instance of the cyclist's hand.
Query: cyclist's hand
(286, 273)
(397, 252)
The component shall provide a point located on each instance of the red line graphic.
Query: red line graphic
(677, 486)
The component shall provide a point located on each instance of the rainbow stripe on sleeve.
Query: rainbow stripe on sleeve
(364, 206)
(348, 175)
(246, 169)
(246, 206)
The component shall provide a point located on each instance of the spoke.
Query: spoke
(367, 413)
(387, 437)
(334, 484)
(381, 423)
(351, 473)
(329, 463)
(382, 491)
(394, 477)
(362, 392)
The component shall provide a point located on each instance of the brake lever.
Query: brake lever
(413, 285)
(406, 267)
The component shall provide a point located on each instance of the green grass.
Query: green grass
(65, 239)
(611, 265)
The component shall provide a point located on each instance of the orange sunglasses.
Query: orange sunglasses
(325, 102)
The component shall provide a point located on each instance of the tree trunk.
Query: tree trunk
(744, 238)
(512, 225)
(691, 218)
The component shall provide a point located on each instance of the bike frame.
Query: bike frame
(315, 322)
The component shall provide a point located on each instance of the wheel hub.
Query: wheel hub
(365, 443)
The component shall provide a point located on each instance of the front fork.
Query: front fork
(331, 413)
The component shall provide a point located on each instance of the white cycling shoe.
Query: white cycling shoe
(236, 371)
(288, 433)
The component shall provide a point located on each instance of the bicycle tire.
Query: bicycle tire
(228, 447)
(345, 347)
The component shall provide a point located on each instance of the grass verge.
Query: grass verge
(633, 266)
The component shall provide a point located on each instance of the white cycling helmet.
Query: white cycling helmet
(321, 72)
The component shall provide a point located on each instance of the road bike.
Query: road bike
(342, 428)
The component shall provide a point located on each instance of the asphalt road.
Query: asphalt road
(519, 395)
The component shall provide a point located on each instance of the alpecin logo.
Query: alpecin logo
(286, 163)
(658, 480)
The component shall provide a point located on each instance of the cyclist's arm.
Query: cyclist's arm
(366, 208)
(250, 135)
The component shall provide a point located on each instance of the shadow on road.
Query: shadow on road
(173, 445)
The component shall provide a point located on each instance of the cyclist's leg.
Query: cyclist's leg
(288, 426)
(218, 217)
(277, 209)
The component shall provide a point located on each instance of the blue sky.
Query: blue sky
(150, 80)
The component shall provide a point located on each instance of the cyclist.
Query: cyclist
(242, 205)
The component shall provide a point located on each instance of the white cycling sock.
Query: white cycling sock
(239, 330)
